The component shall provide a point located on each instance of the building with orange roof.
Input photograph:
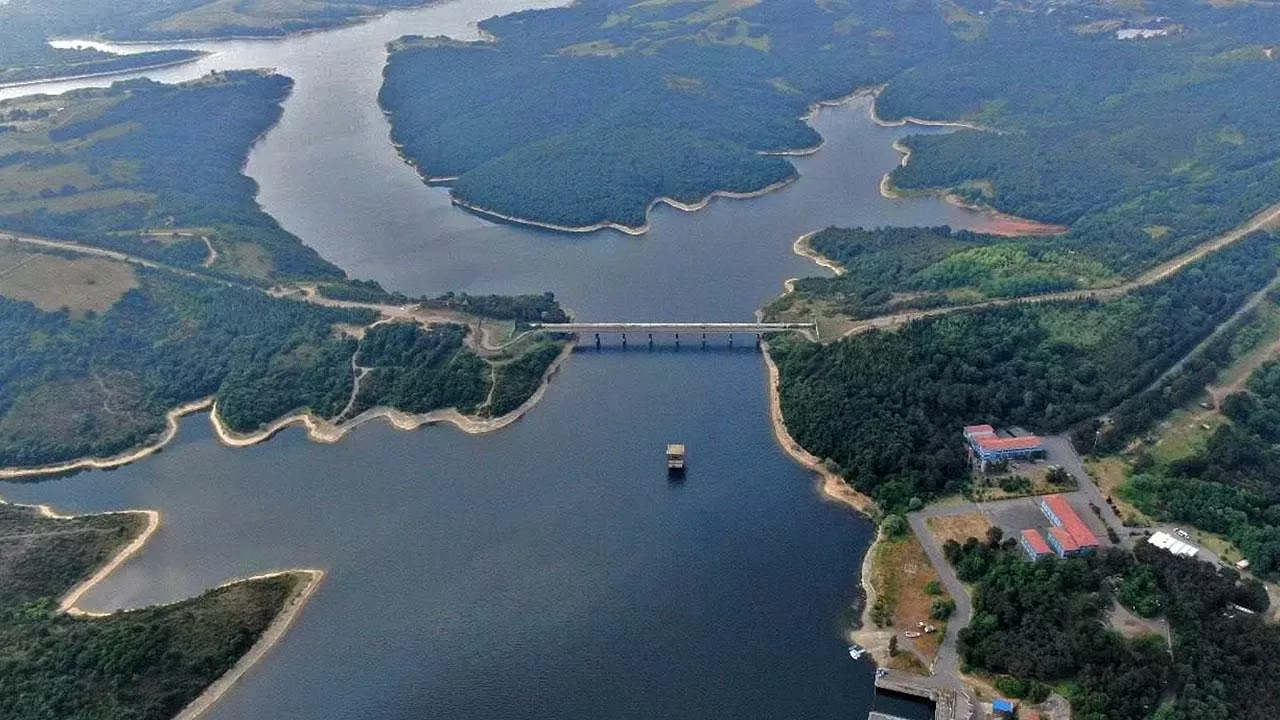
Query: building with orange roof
(1062, 515)
(986, 445)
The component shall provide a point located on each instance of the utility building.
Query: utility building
(1033, 545)
(988, 446)
(1069, 536)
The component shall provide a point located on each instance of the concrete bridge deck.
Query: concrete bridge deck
(677, 327)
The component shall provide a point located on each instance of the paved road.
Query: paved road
(946, 667)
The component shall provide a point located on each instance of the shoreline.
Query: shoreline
(911, 119)
(1004, 224)
(625, 229)
(832, 487)
(318, 429)
(105, 73)
(92, 463)
(269, 638)
(274, 632)
(68, 603)
(802, 248)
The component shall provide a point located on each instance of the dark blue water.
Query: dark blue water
(548, 571)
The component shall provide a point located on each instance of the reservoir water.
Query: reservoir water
(549, 570)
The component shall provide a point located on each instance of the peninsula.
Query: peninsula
(148, 663)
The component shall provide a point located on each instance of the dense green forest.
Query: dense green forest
(1232, 486)
(1138, 145)
(890, 269)
(100, 384)
(149, 169)
(419, 371)
(585, 114)
(90, 384)
(887, 406)
(25, 55)
(139, 665)
(180, 19)
(1043, 624)
(520, 308)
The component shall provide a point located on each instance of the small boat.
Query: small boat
(856, 651)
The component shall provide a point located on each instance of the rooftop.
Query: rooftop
(1071, 522)
(1036, 542)
(1065, 541)
(1165, 541)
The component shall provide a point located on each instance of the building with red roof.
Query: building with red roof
(1034, 546)
(1063, 544)
(1064, 517)
(987, 446)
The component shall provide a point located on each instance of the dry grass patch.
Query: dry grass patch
(93, 200)
(900, 573)
(243, 259)
(53, 282)
(1110, 473)
(959, 527)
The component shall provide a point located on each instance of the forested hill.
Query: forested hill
(178, 19)
(887, 406)
(586, 114)
(1143, 146)
(153, 170)
(25, 53)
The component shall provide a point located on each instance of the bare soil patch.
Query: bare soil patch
(959, 527)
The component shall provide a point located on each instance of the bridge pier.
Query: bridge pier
(704, 341)
(730, 339)
(759, 340)
(677, 341)
(650, 341)
(624, 341)
(597, 341)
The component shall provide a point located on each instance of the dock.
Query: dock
(949, 703)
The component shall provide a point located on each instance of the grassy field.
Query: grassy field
(151, 170)
(53, 282)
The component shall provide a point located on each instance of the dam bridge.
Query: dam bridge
(757, 330)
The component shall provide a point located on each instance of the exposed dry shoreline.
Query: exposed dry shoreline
(832, 486)
(1003, 223)
(833, 489)
(627, 229)
(318, 429)
(272, 635)
(802, 248)
(104, 73)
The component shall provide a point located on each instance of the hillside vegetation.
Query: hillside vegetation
(180, 19)
(887, 406)
(1041, 624)
(139, 665)
(153, 170)
(585, 115)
